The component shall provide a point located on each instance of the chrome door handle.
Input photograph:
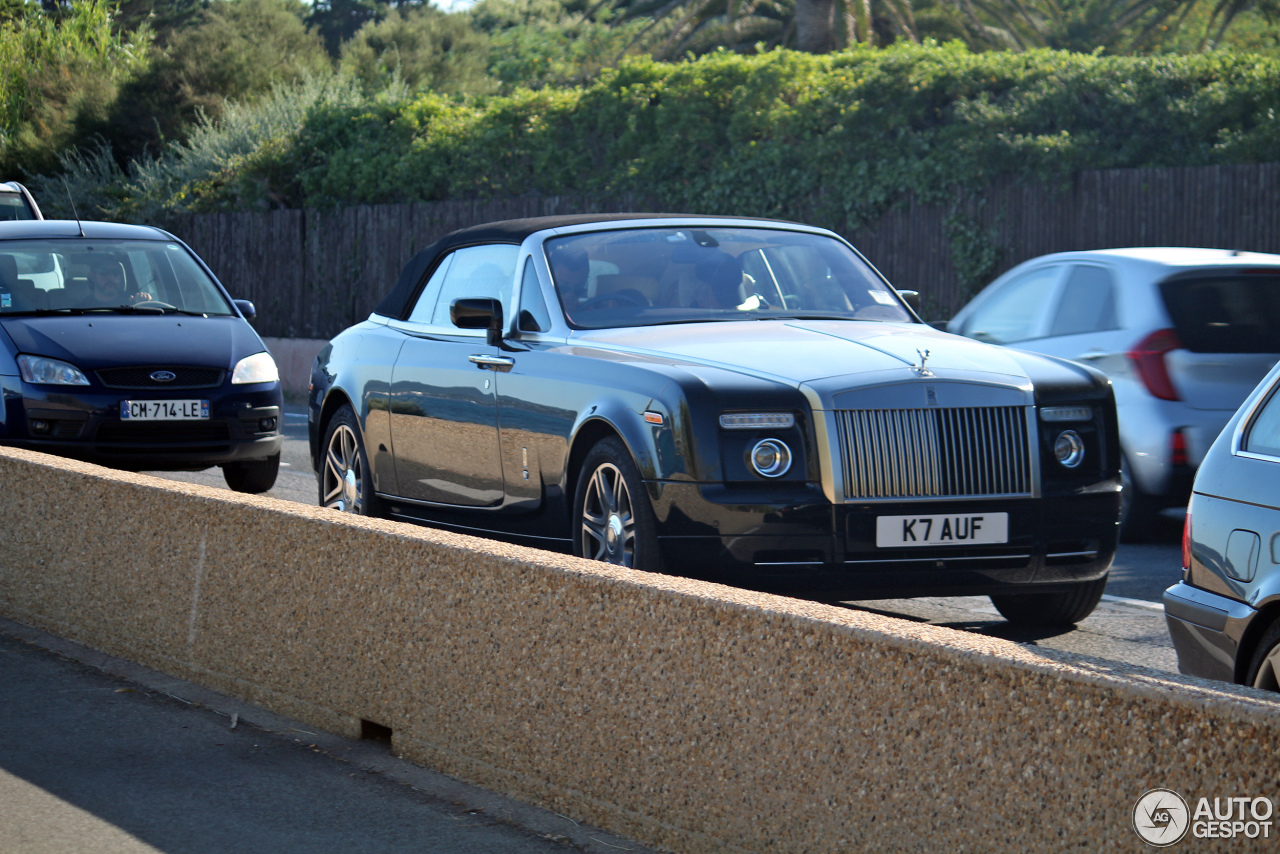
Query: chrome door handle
(486, 361)
(1091, 356)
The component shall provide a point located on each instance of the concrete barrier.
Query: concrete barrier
(686, 715)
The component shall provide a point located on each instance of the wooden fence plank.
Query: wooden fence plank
(312, 273)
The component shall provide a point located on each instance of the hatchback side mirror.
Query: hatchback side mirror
(479, 313)
(246, 308)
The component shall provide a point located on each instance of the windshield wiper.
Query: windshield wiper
(40, 312)
(143, 308)
(802, 317)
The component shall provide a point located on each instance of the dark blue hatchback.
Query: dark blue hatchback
(119, 346)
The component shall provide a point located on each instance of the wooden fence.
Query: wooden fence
(312, 273)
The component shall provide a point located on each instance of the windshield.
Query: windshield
(135, 276)
(646, 276)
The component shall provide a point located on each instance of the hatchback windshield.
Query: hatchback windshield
(77, 275)
(645, 276)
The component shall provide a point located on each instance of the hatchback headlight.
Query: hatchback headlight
(43, 371)
(258, 368)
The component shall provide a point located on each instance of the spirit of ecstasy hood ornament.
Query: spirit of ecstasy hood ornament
(920, 368)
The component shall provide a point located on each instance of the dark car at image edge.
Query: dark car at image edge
(741, 400)
(119, 346)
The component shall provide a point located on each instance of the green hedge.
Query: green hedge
(835, 138)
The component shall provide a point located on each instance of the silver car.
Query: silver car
(1184, 334)
(16, 202)
(1224, 616)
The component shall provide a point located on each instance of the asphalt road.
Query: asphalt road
(1128, 626)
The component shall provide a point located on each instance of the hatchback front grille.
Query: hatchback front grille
(935, 452)
(140, 377)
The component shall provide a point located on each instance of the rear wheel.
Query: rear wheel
(1063, 608)
(613, 520)
(345, 480)
(253, 476)
(1264, 670)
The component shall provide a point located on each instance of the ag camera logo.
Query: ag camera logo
(1161, 817)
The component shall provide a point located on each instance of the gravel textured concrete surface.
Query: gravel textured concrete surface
(101, 755)
(686, 715)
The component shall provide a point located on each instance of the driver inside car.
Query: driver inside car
(571, 269)
(107, 285)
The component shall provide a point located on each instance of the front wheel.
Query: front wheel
(254, 476)
(613, 520)
(1063, 608)
(345, 480)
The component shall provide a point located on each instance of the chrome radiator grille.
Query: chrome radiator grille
(930, 453)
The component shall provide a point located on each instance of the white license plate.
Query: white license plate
(164, 410)
(952, 529)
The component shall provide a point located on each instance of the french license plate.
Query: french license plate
(952, 529)
(164, 410)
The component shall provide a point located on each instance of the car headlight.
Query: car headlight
(258, 368)
(1069, 449)
(38, 369)
(771, 458)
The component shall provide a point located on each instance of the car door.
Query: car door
(1083, 325)
(444, 417)
(1014, 311)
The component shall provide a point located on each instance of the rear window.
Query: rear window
(1238, 312)
(13, 206)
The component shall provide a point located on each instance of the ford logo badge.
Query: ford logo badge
(163, 376)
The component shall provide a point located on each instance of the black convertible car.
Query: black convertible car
(745, 401)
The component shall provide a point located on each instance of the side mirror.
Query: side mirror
(246, 308)
(911, 298)
(479, 313)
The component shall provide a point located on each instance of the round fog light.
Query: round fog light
(1069, 449)
(266, 425)
(771, 458)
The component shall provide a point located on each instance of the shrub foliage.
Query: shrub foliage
(836, 138)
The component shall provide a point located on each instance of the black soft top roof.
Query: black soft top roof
(399, 301)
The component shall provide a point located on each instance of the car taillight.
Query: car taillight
(1148, 357)
(1186, 542)
(1178, 448)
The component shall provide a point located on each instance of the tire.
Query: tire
(1264, 668)
(345, 481)
(1138, 511)
(254, 476)
(612, 517)
(1063, 608)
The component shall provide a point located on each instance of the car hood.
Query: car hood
(98, 341)
(806, 351)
